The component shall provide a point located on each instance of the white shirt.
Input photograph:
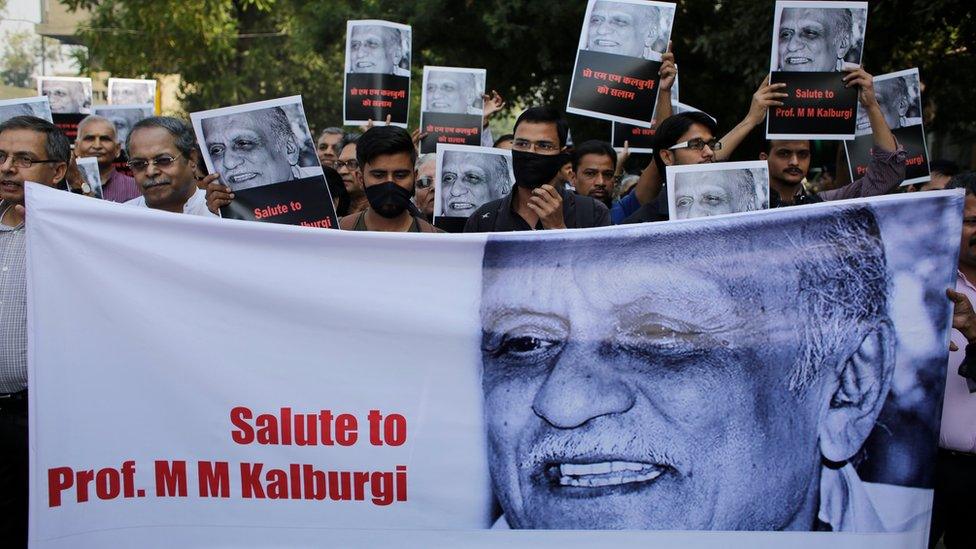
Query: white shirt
(196, 205)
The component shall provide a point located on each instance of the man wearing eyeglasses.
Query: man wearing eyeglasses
(97, 137)
(31, 149)
(538, 201)
(163, 160)
(682, 139)
(424, 185)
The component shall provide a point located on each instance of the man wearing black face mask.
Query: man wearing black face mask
(386, 157)
(538, 200)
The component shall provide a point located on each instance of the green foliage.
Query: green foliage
(232, 51)
(22, 51)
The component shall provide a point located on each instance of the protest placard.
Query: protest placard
(617, 62)
(468, 177)
(452, 107)
(900, 98)
(70, 99)
(88, 168)
(705, 190)
(813, 42)
(25, 106)
(132, 91)
(377, 78)
(264, 152)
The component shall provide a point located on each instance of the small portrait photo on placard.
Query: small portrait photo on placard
(618, 59)
(377, 79)
(264, 152)
(88, 169)
(468, 177)
(26, 106)
(813, 43)
(131, 91)
(899, 95)
(704, 190)
(452, 106)
(67, 95)
(123, 117)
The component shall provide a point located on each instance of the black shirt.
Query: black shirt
(655, 210)
(497, 216)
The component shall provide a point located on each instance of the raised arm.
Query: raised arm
(766, 96)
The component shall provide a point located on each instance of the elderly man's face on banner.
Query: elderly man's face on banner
(470, 180)
(64, 96)
(374, 49)
(619, 28)
(251, 149)
(663, 397)
(812, 40)
(449, 92)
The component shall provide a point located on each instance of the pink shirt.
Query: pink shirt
(959, 406)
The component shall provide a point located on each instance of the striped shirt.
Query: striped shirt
(120, 187)
(13, 307)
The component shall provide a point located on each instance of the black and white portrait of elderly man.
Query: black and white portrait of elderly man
(625, 28)
(817, 39)
(254, 148)
(453, 92)
(378, 49)
(470, 179)
(697, 388)
(717, 192)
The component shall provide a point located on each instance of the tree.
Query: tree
(22, 51)
(232, 51)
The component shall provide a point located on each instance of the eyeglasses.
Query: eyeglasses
(23, 161)
(351, 165)
(526, 145)
(162, 161)
(698, 144)
(424, 182)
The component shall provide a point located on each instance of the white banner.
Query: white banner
(224, 383)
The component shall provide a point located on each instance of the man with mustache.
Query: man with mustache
(691, 393)
(97, 137)
(594, 170)
(789, 161)
(424, 197)
(622, 29)
(328, 145)
(469, 180)
(814, 39)
(253, 149)
(31, 149)
(163, 160)
(376, 49)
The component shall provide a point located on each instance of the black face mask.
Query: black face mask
(534, 170)
(388, 199)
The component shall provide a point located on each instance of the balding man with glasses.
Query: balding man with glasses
(538, 201)
(31, 149)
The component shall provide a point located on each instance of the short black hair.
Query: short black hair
(964, 180)
(504, 138)
(182, 133)
(56, 144)
(545, 115)
(384, 140)
(593, 146)
(670, 130)
(945, 167)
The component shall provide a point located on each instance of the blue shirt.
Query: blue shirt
(624, 207)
